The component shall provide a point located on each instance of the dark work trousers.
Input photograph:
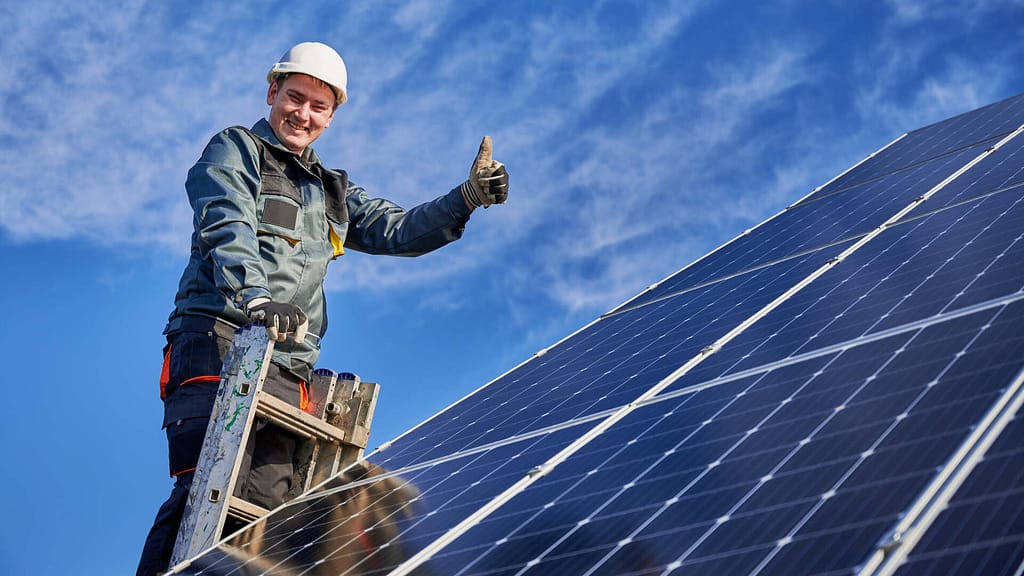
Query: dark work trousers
(189, 386)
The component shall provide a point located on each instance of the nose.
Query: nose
(303, 111)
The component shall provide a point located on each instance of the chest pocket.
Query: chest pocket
(280, 208)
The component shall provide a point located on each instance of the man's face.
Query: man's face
(300, 108)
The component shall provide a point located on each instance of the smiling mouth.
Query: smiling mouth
(296, 127)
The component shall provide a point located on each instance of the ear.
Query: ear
(271, 93)
(329, 118)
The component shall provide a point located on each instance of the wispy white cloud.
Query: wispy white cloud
(966, 12)
(542, 97)
(957, 87)
(911, 79)
(115, 111)
(652, 193)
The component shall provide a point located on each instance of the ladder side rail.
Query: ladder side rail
(245, 367)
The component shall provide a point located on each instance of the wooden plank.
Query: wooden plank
(295, 420)
(245, 510)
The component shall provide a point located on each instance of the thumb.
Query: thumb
(300, 332)
(483, 157)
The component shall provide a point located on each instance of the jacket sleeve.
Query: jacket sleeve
(379, 226)
(223, 187)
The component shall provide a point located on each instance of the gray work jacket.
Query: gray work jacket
(267, 223)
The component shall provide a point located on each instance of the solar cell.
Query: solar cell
(832, 392)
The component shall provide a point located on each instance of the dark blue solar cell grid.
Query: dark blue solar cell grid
(386, 525)
(802, 469)
(1002, 169)
(984, 263)
(981, 531)
(812, 225)
(948, 260)
(987, 124)
(603, 367)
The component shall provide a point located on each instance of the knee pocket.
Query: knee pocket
(184, 443)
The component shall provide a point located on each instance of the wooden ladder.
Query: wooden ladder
(334, 430)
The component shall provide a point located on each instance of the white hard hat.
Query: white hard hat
(317, 60)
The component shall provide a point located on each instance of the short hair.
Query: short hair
(280, 78)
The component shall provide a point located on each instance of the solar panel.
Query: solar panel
(984, 125)
(835, 391)
(979, 532)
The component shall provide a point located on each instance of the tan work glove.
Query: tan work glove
(488, 179)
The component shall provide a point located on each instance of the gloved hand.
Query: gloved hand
(488, 179)
(280, 319)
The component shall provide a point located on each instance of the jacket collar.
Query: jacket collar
(263, 130)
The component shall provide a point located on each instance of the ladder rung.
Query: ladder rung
(298, 422)
(244, 510)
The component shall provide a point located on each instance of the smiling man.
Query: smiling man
(268, 218)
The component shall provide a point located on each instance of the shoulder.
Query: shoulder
(234, 138)
(232, 146)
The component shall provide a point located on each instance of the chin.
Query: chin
(293, 144)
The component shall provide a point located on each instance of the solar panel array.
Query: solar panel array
(835, 391)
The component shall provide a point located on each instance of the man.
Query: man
(268, 218)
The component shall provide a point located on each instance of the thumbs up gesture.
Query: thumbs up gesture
(488, 179)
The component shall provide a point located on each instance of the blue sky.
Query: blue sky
(638, 135)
